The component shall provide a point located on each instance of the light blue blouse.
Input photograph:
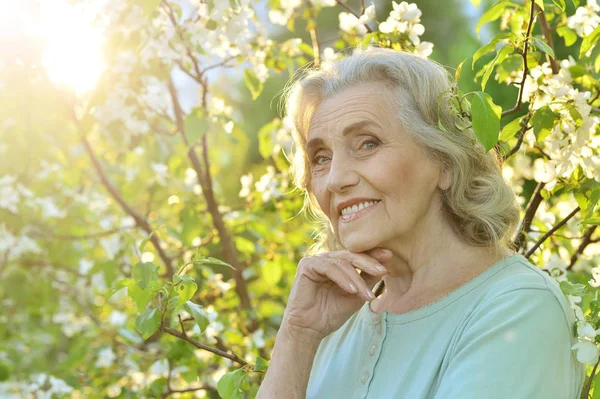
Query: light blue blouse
(506, 334)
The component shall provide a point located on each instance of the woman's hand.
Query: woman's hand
(328, 289)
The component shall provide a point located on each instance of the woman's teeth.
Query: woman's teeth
(357, 207)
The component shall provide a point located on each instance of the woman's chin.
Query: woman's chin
(356, 246)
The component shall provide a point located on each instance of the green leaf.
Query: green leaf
(492, 14)
(486, 119)
(198, 313)
(253, 83)
(476, 3)
(141, 297)
(540, 3)
(593, 221)
(186, 289)
(261, 364)
(543, 122)
(510, 129)
(483, 50)
(148, 322)
(196, 125)
(577, 71)
(211, 261)
(560, 4)
(458, 71)
(229, 386)
(597, 64)
(306, 49)
(589, 42)
(145, 241)
(211, 24)
(500, 56)
(575, 3)
(592, 203)
(566, 33)
(543, 46)
(573, 289)
(144, 273)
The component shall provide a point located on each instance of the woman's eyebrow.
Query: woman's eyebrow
(314, 142)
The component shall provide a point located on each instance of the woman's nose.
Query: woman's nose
(341, 175)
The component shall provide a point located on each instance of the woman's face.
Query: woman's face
(374, 184)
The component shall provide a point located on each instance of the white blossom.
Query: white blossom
(585, 19)
(117, 318)
(368, 15)
(587, 352)
(106, 357)
(246, 181)
(350, 24)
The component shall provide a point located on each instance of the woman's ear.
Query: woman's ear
(445, 179)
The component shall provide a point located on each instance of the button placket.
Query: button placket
(366, 373)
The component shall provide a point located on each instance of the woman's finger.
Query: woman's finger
(363, 262)
(333, 269)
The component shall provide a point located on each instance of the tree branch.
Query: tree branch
(140, 221)
(587, 240)
(91, 236)
(548, 35)
(525, 66)
(532, 206)
(519, 141)
(552, 230)
(230, 254)
(232, 357)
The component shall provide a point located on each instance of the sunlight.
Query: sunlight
(73, 47)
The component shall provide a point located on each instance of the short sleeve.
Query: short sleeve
(516, 345)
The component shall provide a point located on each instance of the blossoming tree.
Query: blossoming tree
(127, 267)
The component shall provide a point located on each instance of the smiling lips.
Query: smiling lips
(357, 210)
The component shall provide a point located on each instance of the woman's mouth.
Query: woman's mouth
(355, 211)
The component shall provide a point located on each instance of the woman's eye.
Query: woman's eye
(369, 144)
(319, 160)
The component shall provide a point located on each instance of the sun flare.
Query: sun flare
(72, 53)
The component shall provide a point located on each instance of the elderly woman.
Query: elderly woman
(425, 216)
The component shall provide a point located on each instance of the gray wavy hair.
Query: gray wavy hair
(479, 203)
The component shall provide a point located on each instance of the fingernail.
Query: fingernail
(381, 268)
(353, 287)
(370, 294)
(387, 252)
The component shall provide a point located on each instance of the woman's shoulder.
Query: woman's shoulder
(524, 287)
(520, 274)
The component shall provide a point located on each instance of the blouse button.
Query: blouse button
(372, 351)
(364, 377)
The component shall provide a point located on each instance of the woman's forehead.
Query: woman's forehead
(362, 105)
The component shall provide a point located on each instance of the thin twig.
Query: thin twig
(552, 230)
(140, 221)
(520, 140)
(585, 393)
(232, 357)
(91, 236)
(315, 45)
(525, 66)
(532, 206)
(587, 240)
(548, 35)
